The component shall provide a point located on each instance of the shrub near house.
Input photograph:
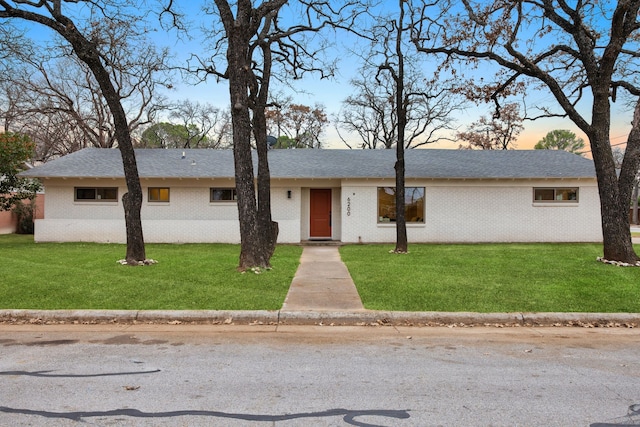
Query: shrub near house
(15, 151)
(9, 220)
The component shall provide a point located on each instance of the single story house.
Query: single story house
(340, 195)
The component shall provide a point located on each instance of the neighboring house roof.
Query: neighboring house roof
(318, 164)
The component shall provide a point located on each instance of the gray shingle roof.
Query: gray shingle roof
(429, 163)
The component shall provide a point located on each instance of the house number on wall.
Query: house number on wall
(348, 206)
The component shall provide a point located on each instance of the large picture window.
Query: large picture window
(158, 194)
(414, 204)
(223, 195)
(96, 194)
(550, 194)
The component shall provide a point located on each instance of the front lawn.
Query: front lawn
(492, 278)
(187, 277)
(475, 278)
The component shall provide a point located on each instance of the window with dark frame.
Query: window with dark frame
(555, 194)
(96, 194)
(158, 194)
(223, 194)
(414, 204)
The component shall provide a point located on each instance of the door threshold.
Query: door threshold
(320, 242)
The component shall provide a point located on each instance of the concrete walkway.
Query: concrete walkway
(322, 283)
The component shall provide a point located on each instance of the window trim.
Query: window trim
(97, 198)
(555, 200)
(388, 222)
(234, 195)
(159, 199)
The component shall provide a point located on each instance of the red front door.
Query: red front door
(320, 212)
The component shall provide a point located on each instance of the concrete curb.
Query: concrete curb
(398, 318)
(139, 316)
(333, 318)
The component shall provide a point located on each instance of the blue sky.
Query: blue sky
(331, 92)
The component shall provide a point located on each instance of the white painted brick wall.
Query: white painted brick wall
(286, 212)
(59, 203)
(189, 216)
(455, 212)
(80, 230)
(477, 212)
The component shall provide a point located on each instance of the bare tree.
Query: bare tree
(395, 105)
(101, 38)
(571, 49)
(394, 66)
(255, 41)
(14, 45)
(369, 115)
(618, 156)
(204, 125)
(58, 102)
(9, 98)
(297, 125)
(164, 135)
(498, 133)
(370, 112)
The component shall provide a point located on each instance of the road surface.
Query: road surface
(199, 375)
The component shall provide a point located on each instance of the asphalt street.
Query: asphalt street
(204, 375)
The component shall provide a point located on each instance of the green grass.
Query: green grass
(187, 277)
(477, 278)
(492, 278)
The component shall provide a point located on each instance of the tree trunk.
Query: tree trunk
(631, 161)
(615, 194)
(88, 53)
(402, 245)
(616, 232)
(268, 228)
(634, 197)
(614, 190)
(254, 249)
(132, 200)
(244, 176)
(247, 212)
(133, 223)
(401, 220)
